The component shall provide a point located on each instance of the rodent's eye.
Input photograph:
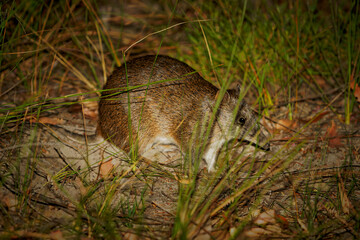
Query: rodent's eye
(241, 120)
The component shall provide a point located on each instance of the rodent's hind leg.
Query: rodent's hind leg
(162, 149)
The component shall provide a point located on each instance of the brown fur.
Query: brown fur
(172, 100)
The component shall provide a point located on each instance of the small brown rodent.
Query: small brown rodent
(168, 101)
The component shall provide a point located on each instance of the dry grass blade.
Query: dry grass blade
(92, 10)
(160, 31)
(63, 61)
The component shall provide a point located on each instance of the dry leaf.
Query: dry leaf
(57, 235)
(320, 80)
(284, 124)
(318, 117)
(106, 168)
(48, 120)
(356, 89)
(345, 202)
(331, 133)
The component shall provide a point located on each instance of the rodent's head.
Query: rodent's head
(243, 126)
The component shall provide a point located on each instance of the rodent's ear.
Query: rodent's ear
(235, 88)
(233, 91)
